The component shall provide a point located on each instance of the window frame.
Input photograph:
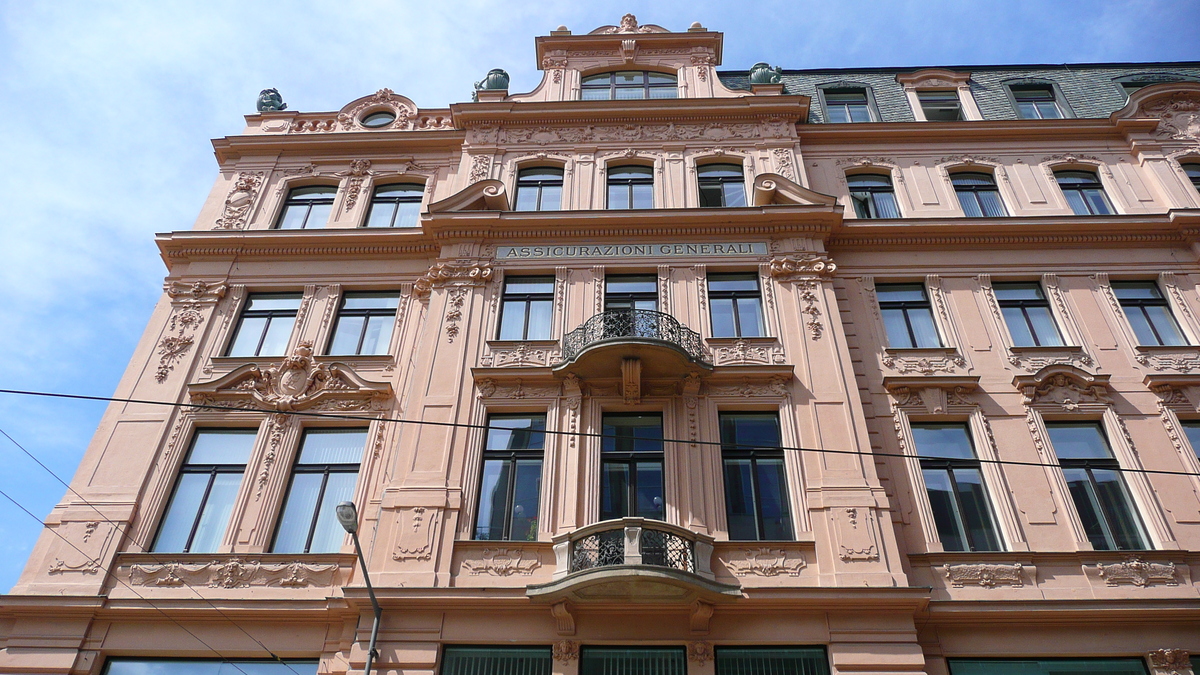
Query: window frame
(630, 459)
(736, 296)
(1016, 89)
(842, 88)
(510, 457)
(291, 201)
(904, 306)
(367, 314)
(1024, 305)
(948, 465)
(974, 191)
(869, 204)
(1191, 171)
(324, 468)
(1082, 190)
(731, 449)
(270, 315)
(630, 186)
(720, 182)
(396, 202)
(630, 298)
(1141, 303)
(540, 185)
(931, 94)
(526, 299)
(646, 86)
(213, 470)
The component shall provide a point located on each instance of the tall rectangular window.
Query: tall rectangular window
(907, 316)
(756, 495)
(1036, 102)
(526, 308)
(1084, 193)
(978, 195)
(843, 106)
(631, 291)
(630, 187)
(265, 325)
(539, 189)
(1033, 666)
(736, 305)
(170, 666)
(940, 106)
(501, 660)
(771, 661)
(1148, 313)
(721, 185)
(198, 514)
(956, 490)
(323, 477)
(307, 208)
(512, 478)
(1027, 314)
(631, 466)
(364, 323)
(1097, 488)
(395, 206)
(873, 196)
(632, 661)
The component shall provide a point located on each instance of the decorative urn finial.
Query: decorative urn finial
(269, 100)
(763, 73)
(496, 79)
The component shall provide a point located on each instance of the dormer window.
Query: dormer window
(940, 106)
(627, 85)
(844, 106)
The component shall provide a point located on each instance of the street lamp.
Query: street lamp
(347, 515)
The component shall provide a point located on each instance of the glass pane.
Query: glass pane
(633, 661)
(722, 317)
(525, 500)
(222, 446)
(897, 329)
(370, 301)
(493, 499)
(333, 446)
(993, 207)
(1018, 291)
(771, 661)
(945, 509)
(249, 331)
(1192, 430)
(643, 196)
(214, 520)
(279, 329)
(664, 92)
(318, 215)
(1048, 667)
(733, 282)
(632, 433)
(527, 197)
(650, 490)
(312, 193)
(1027, 110)
(744, 431)
(1078, 441)
(1049, 110)
(660, 78)
(181, 514)
(408, 213)
(516, 432)
(976, 513)
(773, 500)
(1044, 326)
(625, 94)
(381, 214)
(275, 301)
(860, 113)
(1164, 323)
(863, 204)
(1098, 202)
(329, 534)
(629, 78)
(618, 196)
(472, 660)
(838, 114)
(750, 319)
(1014, 318)
(950, 441)
(378, 335)
(121, 666)
(1136, 290)
(1078, 206)
(1118, 510)
(886, 206)
(865, 180)
(923, 327)
(711, 196)
(292, 217)
(346, 334)
(1140, 325)
(512, 320)
(901, 292)
(970, 205)
(551, 198)
(1086, 504)
(720, 171)
(541, 173)
(595, 94)
(540, 312)
(517, 285)
(735, 194)
(739, 499)
(632, 283)
(292, 534)
(614, 490)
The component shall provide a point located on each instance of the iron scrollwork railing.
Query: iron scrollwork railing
(652, 546)
(633, 323)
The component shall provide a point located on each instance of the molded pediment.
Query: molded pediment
(1176, 105)
(772, 188)
(485, 195)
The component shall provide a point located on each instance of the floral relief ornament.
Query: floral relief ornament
(186, 317)
(1179, 116)
(1170, 661)
(233, 573)
(240, 199)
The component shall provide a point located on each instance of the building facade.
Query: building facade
(659, 369)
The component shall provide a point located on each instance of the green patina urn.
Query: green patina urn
(496, 79)
(763, 73)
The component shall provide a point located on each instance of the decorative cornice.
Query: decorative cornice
(449, 274)
(987, 575)
(235, 572)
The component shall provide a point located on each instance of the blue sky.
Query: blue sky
(110, 108)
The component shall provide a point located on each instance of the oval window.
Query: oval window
(379, 119)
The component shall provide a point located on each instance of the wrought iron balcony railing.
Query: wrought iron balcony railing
(634, 541)
(640, 324)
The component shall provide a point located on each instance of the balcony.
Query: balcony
(633, 560)
(605, 341)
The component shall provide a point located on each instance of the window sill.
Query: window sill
(1044, 349)
(1167, 349)
(923, 360)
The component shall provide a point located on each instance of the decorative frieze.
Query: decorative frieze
(234, 573)
(1179, 360)
(985, 574)
(924, 365)
(1135, 571)
(743, 352)
(516, 389)
(765, 562)
(776, 385)
(502, 562)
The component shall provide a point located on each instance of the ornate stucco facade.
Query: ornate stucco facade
(869, 573)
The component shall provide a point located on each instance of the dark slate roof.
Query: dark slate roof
(1090, 90)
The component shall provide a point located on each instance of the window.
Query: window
(123, 666)
(1027, 314)
(978, 195)
(364, 323)
(1047, 667)
(395, 206)
(627, 84)
(1084, 193)
(873, 196)
(1036, 102)
(756, 496)
(843, 106)
(1148, 313)
(721, 185)
(539, 189)
(307, 207)
(630, 187)
(1191, 428)
(631, 291)
(512, 478)
(323, 477)
(1094, 480)
(771, 661)
(940, 106)
(736, 305)
(632, 661)
(266, 325)
(526, 308)
(907, 316)
(1193, 174)
(378, 120)
(475, 660)
(955, 486)
(631, 466)
(198, 515)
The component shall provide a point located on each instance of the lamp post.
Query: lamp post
(347, 515)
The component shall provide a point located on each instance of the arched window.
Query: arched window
(1193, 174)
(721, 185)
(539, 189)
(1084, 193)
(630, 187)
(395, 206)
(627, 84)
(307, 207)
(978, 195)
(873, 196)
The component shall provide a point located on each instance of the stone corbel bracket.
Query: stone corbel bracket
(1060, 387)
(1180, 393)
(933, 395)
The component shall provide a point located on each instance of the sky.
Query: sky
(111, 107)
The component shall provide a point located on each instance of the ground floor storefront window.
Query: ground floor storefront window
(771, 661)
(484, 660)
(209, 667)
(1047, 666)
